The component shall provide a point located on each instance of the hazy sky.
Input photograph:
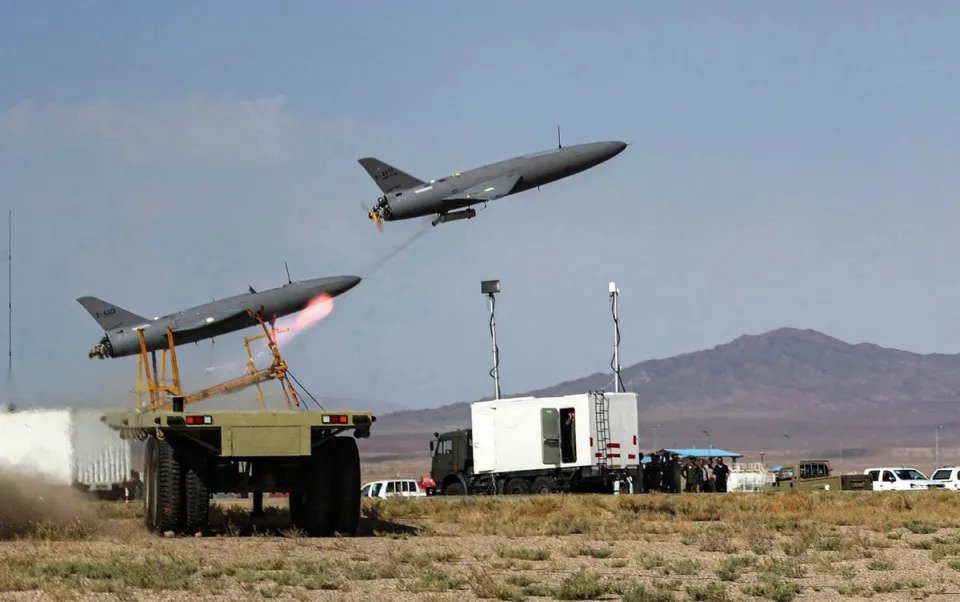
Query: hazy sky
(791, 165)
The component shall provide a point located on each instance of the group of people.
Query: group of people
(666, 472)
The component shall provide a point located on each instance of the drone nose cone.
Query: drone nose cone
(342, 284)
(615, 148)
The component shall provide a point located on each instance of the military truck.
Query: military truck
(809, 475)
(190, 455)
(573, 443)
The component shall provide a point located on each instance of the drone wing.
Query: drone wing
(487, 191)
(232, 316)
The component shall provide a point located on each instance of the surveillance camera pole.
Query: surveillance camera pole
(937, 449)
(615, 364)
(490, 288)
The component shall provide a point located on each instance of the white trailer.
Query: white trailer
(582, 442)
(67, 446)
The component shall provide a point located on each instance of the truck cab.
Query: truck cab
(451, 455)
(897, 478)
(808, 475)
(947, 477)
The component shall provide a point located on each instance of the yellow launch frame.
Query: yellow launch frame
(160, 390)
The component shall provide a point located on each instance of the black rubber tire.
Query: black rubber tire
(296, 502)
(196, 494)
(318, 501)
(346, 486)
(169, 490)
(517, 486)
(454, 488)
(543, 486)
(150, 466)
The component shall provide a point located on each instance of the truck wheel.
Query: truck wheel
(543, 486)
(318, 498)
(150, 478)
(296, 505)
(197, 502)
(168, 487)
(517, 486)
(454, 488)
(346, 485)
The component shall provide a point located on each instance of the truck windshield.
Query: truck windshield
(909, 475)
(941, 475)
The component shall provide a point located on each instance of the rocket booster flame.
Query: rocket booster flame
(287, 329)
(316, 310)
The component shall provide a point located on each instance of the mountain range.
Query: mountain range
(786, 391)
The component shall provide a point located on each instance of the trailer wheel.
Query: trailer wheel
(517, 486)
(150, 481)
(346, 485)
(168, 487)
(197, 498)
(318, 498)
(543, 485)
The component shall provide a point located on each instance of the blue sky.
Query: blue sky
(791, 165)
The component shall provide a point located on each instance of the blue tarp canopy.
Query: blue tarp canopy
(698, 452)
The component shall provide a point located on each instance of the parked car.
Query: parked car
(391, 488)
(947, 477)
(898, 478)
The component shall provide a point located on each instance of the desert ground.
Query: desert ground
(745, 546)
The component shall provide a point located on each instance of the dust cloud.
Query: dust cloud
(32, 507)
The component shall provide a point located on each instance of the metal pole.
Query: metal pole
(655, 427)
(614, 294)
(10, 298)
(937, 452)
(491, 302)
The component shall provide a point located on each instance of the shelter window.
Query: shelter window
(568, 435)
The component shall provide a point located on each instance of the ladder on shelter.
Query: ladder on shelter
(601, 408)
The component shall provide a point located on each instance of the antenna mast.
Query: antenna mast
(615, 362)
(490, 288)
(10, 301)
(558, 138)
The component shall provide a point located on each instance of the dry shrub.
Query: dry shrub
(31, 506)
(755, 520)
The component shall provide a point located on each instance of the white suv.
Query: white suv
(898, 478)
(391, 488)
(947, 477)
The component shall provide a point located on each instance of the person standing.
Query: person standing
(676, 468)
(721, 471)
(706, 483)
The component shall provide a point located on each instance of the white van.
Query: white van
(947, 477)
(391, 488)
(897, 478)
